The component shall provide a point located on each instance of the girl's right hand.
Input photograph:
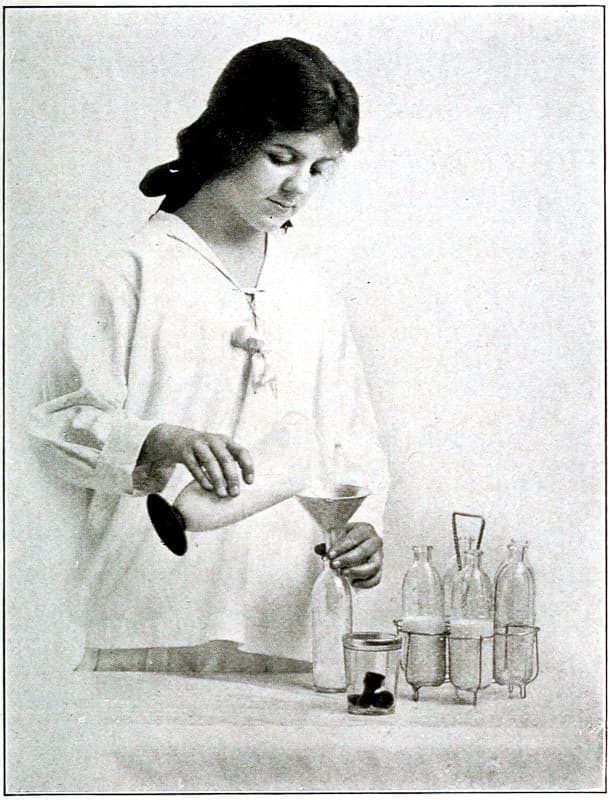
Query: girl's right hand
(214, 460)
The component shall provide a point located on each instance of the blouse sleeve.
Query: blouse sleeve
(346, 418)
(83, 426)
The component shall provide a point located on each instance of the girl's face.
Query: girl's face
(279, 178)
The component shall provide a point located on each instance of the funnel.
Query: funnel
(332, 506)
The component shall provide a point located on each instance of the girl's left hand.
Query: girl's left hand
(359, 554)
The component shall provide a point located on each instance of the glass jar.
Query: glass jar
(372, 671)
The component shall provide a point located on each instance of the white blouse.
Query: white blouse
(154, 345)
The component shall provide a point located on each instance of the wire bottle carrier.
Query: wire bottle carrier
(476, 653)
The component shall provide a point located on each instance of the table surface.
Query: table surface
(144, 732)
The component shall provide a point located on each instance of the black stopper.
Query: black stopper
(373, 681)
(366, 700)
(168, 522)
(383, 699)
(321, 549)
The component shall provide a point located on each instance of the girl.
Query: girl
(153, 388)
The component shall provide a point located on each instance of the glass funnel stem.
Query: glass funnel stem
(331, 536)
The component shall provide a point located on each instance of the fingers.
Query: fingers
(230, 474)
(198, 473)
(206, 483)
(216, 464)
(366, 575)
(359, 556)
(368, 584)
(244, 459)
(356, 546)
(207, 461)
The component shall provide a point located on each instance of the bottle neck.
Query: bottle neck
(422, 553)
(473, 559)
(517, 553)
(465, 544)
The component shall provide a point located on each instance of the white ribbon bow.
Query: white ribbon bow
(261, 371)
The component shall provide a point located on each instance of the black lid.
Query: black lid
(168, 522)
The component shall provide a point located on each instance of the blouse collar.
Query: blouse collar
(176, 228)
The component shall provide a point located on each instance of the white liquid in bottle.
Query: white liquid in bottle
(471, 626)
(331, 619)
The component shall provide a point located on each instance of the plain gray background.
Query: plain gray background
(466, 231)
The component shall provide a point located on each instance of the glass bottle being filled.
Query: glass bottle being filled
(331, 619)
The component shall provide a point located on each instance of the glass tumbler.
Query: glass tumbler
(372, 661)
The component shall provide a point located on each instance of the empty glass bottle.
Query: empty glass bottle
(464, 545)
(471, 627)
(423, 624)
(331, 610)
(514, 621)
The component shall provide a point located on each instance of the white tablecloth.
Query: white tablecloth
(135, 732)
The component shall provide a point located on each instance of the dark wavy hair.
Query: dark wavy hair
(280, 85)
